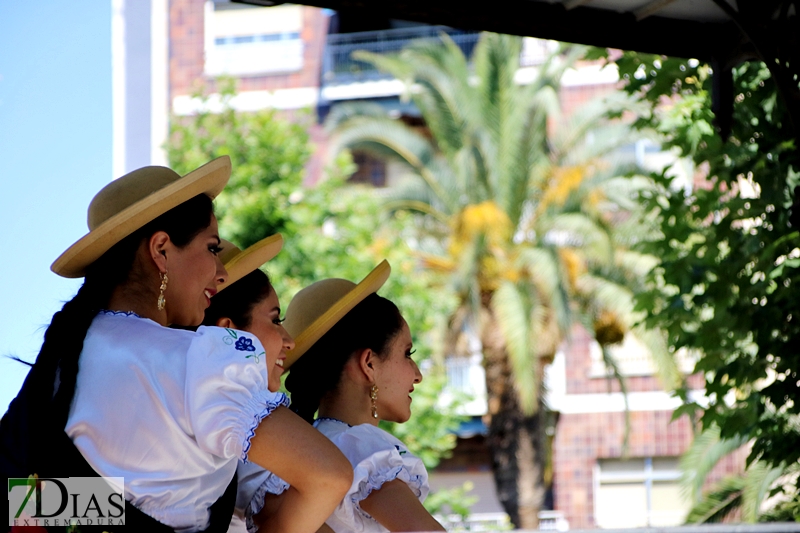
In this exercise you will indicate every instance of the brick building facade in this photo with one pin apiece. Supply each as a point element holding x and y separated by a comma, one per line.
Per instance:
<point>597,482</point>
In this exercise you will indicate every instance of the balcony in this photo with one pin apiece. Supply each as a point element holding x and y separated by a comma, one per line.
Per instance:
<point>339,67</point>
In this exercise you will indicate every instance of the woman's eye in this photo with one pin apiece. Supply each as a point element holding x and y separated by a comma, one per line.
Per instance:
<point>278,321</point>
<point>215,250</point>
<point>410,353</point>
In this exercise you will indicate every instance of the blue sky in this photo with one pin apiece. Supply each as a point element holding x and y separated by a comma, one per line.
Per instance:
<point>55,154</point>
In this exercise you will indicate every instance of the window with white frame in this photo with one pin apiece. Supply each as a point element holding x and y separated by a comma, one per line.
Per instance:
<point>632,358</point>
<point>466,377</point>
<point>242,40</point>
<point>640,492</point>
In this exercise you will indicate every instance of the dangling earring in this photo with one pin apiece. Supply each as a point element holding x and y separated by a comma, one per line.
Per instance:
<point>161,300</point>
<point>373,395</point>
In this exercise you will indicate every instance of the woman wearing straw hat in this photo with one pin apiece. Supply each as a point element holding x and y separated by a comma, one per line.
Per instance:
<point>115,392</point>
<point>356,369</point>
<point>247,301</point>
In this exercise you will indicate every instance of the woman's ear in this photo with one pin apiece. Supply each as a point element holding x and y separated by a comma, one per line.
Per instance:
<point>226,322</point>
<point>157,249</point>
<point>366,363</point>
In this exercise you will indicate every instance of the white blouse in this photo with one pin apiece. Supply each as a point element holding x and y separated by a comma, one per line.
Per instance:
<point>377,457</point>
<point>170,411</point>
<point>254,484</point>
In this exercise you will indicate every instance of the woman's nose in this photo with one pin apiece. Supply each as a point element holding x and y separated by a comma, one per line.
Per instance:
<point>222,274</point>
<point>288,341</point>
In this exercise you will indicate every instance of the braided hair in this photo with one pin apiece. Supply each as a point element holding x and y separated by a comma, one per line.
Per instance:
<point>237,301</point>
<point>372,324</point>
<point>49,388</point>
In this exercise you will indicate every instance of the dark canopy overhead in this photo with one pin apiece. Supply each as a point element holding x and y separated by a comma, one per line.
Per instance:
<point>704,29</point>
<point>721,32</point>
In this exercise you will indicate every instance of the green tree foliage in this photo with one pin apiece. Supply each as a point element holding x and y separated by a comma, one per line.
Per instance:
<point>329,230</point>
<point>268,157</point>
<point>521,212</point>
<point>726,286</point>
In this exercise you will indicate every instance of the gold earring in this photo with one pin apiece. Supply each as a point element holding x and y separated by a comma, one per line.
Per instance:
<point>373,395</point>
<point>162,301</point>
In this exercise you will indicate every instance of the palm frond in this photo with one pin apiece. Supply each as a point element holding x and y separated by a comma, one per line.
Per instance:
<point>510,308</point>
<point>542,265</point>
<point>667,369</point>
<point>719,503</point>
<point>706,451</point>
<point>407,145</point>
<point>578,230</point>
<point>611,362</point>
<point>342,113</point>
<point>759,481</point>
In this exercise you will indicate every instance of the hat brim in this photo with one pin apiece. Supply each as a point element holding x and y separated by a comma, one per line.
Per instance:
<point>319,327</point>
<point>209,179</point>
<point>250,259</point>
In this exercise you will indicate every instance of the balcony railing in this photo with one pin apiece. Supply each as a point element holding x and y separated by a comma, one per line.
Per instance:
<point>339,66</point>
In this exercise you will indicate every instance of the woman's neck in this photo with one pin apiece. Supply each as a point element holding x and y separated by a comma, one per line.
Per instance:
<point>127,298</point>
<point>349,403</point>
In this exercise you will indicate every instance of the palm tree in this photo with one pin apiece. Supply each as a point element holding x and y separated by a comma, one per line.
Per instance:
<point>746,493</point>
<point>522,211</point>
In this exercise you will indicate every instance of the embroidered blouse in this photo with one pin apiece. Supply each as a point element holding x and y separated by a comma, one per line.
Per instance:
<point>377,458</point>
<point>170,411</point>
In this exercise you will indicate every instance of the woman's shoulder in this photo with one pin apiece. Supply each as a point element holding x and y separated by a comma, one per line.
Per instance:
<point>128,330</point>
<point>361,441</point>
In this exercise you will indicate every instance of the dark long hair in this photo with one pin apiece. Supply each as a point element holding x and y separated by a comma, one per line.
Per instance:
<point>238,300</point>
<point>372,324</point>
<point>44,402</point>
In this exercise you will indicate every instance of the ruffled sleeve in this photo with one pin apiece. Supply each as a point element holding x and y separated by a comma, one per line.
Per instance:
<point>226,390</point>
<point>377,458</point>
<point>254,484</point>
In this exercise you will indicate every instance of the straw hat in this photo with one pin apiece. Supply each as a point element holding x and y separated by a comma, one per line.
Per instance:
<point>317,308</point>
<point>240,263</point>
<point>128,203</point>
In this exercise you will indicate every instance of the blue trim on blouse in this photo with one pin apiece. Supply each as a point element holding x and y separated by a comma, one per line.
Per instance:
<point>320,419</point>
<point>117,313</point>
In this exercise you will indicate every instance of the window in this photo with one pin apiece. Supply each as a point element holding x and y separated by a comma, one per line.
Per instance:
<point>465,375</point>
<point>370,169</point>
<point>633,359</point>
<point>244,40</point>
<point>638,493</point>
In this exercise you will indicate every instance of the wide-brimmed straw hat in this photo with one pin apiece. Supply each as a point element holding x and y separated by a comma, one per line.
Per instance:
<point>240,263</point>
<point>128,203</point>
<point>317,308</point>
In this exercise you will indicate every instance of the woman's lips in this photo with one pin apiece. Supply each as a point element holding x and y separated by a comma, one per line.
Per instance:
<point>209,293</point>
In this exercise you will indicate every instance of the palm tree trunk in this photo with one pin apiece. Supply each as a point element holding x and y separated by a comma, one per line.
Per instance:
<point>515,441</point>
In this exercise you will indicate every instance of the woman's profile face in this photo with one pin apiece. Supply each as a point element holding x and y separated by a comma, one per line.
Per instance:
<point>194,272</point>
<point>395,375</point>
<point>265,323</point>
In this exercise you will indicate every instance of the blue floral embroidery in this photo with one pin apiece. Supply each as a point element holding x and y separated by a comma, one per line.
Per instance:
<point>245,345</point>
<point>400,450</point>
